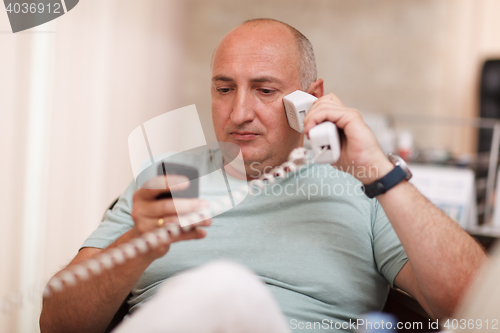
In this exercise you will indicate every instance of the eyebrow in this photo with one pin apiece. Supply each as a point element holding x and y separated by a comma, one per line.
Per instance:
<point>259,79</point>
<point>222,78</point>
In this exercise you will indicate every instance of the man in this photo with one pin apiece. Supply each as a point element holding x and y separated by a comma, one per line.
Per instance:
<point>331,257</point>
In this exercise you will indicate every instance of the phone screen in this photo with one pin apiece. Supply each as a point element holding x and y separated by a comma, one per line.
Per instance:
<point>165,168</point>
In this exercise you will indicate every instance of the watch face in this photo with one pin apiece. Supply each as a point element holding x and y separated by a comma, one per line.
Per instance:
<point>397,160</point>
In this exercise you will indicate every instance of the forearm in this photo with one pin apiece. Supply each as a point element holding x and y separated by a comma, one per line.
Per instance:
<point>444,258</point>
<point>90,305</point>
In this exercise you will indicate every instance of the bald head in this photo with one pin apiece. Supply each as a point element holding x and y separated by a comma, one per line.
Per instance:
<point>274,31</point>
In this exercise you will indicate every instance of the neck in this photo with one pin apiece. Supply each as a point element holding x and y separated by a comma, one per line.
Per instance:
<point>254,169</point>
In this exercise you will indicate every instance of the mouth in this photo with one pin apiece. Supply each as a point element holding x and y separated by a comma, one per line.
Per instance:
<point>244,136</point>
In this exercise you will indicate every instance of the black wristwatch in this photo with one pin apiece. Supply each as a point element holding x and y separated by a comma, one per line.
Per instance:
<point>384,184</point>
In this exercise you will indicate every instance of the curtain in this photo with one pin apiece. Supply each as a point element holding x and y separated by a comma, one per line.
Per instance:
<point>71,92</point>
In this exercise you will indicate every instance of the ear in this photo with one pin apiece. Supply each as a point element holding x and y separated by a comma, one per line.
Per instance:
<point>316,88</point>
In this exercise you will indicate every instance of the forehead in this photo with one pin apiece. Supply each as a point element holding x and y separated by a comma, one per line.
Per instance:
<point>266,49</point>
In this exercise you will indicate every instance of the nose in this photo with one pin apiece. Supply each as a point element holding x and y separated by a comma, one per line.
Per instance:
<point>242,108</point>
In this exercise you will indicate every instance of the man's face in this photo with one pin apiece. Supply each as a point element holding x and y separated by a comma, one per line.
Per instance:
<point>253,68</point>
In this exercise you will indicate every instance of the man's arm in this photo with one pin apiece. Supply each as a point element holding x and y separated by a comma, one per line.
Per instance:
<point>442,258</point>
<point>90,305</point>
<point>409,284</point>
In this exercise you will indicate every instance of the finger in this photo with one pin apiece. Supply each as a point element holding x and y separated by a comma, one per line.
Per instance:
<point>172,219</point>
<point>146,224</point>
<point>340,116</point>
<point>320,115</point>
<point>320,105</point>
<point>329,100</point>
<point>204,223</point>
<point>149,224</point>
<point>334,98</point>
<point>175,220</point>
<point>157,185</point>
<point>195,233</point>
<point>166,207</point>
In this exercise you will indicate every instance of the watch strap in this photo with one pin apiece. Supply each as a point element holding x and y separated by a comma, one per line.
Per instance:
<point>382,185</point>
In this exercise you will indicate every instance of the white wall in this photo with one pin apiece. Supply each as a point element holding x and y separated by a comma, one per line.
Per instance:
<point>110,66</point>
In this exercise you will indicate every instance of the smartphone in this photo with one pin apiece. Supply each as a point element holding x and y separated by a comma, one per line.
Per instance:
<point>168,168</point>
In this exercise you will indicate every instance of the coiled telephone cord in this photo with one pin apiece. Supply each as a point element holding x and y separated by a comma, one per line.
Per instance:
<point>163,235</point>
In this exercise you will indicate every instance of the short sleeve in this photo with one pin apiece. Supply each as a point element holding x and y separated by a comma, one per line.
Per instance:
<point>389,254</point>
<point>115,223</point>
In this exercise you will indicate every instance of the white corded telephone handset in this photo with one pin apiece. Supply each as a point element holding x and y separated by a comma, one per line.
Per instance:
<point>324,138</point>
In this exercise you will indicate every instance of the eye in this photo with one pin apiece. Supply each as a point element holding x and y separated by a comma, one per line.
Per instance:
<point>223,90</point>
<point>267,91</point>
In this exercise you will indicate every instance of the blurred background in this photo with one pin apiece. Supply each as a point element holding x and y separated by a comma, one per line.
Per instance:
<point>73,89</point>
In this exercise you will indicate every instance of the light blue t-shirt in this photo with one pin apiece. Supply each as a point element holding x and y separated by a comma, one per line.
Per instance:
<point>324,249</point>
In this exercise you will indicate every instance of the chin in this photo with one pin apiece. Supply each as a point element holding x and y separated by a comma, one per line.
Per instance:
<point>250,155</point>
